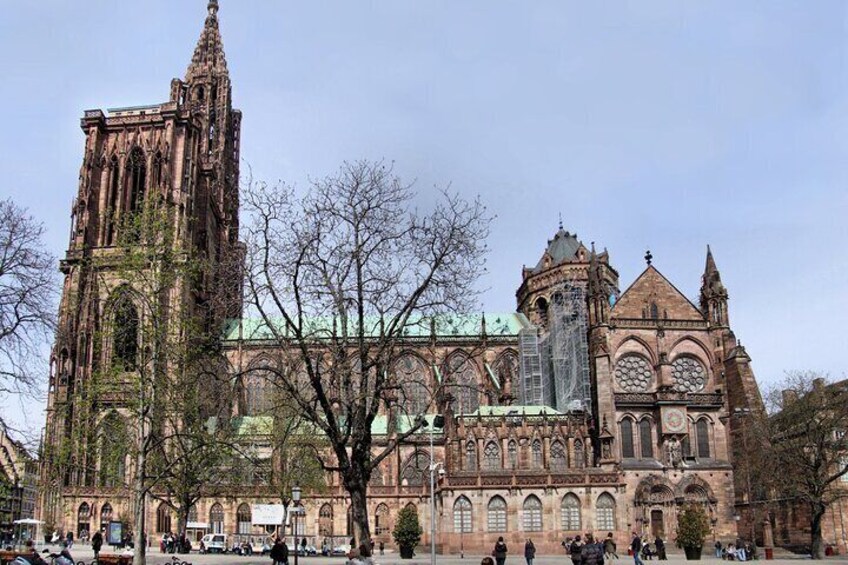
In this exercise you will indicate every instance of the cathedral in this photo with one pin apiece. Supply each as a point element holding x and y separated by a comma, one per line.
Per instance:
<point>595,409</point>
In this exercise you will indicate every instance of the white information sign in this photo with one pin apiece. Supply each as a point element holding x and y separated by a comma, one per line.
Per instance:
<point>267,514</point>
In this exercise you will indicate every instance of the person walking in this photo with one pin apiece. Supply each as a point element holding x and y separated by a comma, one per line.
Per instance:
<point>660,546</point>
<point>500,551</point>
<point>69,539</point>
<point>529,551</point>
<point>574,550</point>
<point>718,549</point>
<point>636,548</point>
<point>96,543</point>
<point>609,547</point>
<point>591,553</point>
<point>382,547</point>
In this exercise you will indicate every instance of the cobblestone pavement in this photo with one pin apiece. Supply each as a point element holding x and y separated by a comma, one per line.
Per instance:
<point>84,553</point>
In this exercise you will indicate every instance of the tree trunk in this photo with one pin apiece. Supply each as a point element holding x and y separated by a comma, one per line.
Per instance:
<point>357,490</point>
<point>816,543</point>
<point>140,499</point>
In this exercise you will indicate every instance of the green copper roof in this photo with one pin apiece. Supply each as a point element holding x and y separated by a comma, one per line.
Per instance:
<point>263,425</point>
<point>446,326</point>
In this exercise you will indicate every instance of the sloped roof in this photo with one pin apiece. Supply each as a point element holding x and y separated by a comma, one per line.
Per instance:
<point>563,247</point>
<point>651,284</point>
<point>448,325</point>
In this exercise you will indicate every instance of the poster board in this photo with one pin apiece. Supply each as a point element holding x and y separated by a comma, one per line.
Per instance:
<point>116,533</point>
<point>267,514</point>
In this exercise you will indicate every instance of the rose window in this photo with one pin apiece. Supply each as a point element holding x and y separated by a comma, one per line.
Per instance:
<point>689,374</point>
<point>633,373</point>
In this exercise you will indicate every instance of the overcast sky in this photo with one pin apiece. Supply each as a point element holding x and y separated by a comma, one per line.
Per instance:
<point>667,125</point>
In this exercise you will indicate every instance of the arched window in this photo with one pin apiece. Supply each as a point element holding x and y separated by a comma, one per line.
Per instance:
<point>216,518</point>
<point>325,521</point>
<point>105,516</point>
<point>492,456</point>
<point>507,369</point>
<point>536,448</point>
<point>532,514</point>
<point>137,170</point>
<point>702,429</point>
<point>381,520</point>
<point>192,514</point>
<point>655,312</point>
<point>415,469</point>
<point>464,385</point>
<point>113,438</point>
<point>376,479</point>
<point>496,515</point>
<point>125,334</point>
<point>83,518</point>
<point>462,515</point>
<point>512,450</point>
<point>571,513</point>
<point>257,390</point>
<point>579,455</point>
<point>542,311</point>
<point>605,512</point>
<point>645,441</point>
<point>163,518</point>
<point>112,218</point>
<point>157,169</point>
<point>471,455</point>
<point>627,451</point>
<point>559,461</point>
<point>243,519</point>
<point>412,377</point>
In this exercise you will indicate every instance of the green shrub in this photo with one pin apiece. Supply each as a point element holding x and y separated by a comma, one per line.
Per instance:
<point>693,526</point>
<point>407,532</point>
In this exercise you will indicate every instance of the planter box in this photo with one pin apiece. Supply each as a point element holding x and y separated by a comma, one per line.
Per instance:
<point>692,553</point>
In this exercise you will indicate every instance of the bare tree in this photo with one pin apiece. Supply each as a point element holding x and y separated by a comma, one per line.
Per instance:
<point>27,298</point>
<point>806,457</point>
<point>339,276</point>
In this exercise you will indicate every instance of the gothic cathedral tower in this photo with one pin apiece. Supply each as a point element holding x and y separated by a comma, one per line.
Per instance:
<point>181,156</point>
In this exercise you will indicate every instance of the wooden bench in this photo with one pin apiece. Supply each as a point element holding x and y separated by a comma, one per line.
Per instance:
<point>114,559</point>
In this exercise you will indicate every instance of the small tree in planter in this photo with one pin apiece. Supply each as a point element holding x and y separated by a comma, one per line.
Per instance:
<point>407,532</point>
<point>693,527</point>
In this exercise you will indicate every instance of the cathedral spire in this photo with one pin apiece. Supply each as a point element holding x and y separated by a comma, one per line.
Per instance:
<point>710,268</point>
<point>208,56</point>
<point>713,293</point>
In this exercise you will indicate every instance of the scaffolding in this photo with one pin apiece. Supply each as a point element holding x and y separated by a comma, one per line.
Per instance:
<point>555,364</point>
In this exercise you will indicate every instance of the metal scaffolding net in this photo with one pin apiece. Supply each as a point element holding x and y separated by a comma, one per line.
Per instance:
<point>561,352</point>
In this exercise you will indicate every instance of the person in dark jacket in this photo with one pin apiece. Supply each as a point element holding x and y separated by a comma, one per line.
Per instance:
<point>529,551</point>
<point>500,551</point>
<point>96,543</point>
<point>280,552</point>
<point>609,547</point>
<point>591,554</point>
<point>575,549</point>
<point>636,548</point>
<point>660,545</point>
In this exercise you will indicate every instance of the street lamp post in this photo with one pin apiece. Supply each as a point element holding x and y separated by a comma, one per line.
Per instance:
<point>295,504</point>
<point>438,422</point>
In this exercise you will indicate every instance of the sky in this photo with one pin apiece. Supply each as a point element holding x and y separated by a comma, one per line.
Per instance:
<point>644,124</point>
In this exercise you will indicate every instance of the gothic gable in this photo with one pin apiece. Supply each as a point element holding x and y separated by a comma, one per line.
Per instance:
<point>653,296</point>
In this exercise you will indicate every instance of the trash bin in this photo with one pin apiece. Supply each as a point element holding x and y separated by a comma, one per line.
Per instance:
<point>769,553</point>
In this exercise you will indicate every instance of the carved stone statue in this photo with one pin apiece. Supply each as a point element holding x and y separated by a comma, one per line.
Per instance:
<point>674,452</point>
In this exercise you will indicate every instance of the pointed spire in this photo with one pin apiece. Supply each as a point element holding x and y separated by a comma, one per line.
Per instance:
<point>209,53</point>
<point>560,222</point>
<point>710,268</point>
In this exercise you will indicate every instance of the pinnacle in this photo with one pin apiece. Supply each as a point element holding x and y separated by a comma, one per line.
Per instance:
<point>209,52</point>
<point>710,266</point>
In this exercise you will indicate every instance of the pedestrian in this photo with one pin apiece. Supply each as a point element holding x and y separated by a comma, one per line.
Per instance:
<point>69,539</point>
<point>529,551</point>
<point>609,547</point>
<point>718,549</point>
<point>500,551</point>
<point>277,556</point>
<point>365,554</point>
<point>382,547</point>
<point>591,553</point>
<point>96,543</point>
<point>353,557</point>
<point>660,545</point>
<point>636,548</point>
<point>574,550</point>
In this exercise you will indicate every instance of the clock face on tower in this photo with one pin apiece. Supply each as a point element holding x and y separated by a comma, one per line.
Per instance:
<point>674,421</point>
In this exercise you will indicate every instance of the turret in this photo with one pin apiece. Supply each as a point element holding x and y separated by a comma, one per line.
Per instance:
<point>713,294</point>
